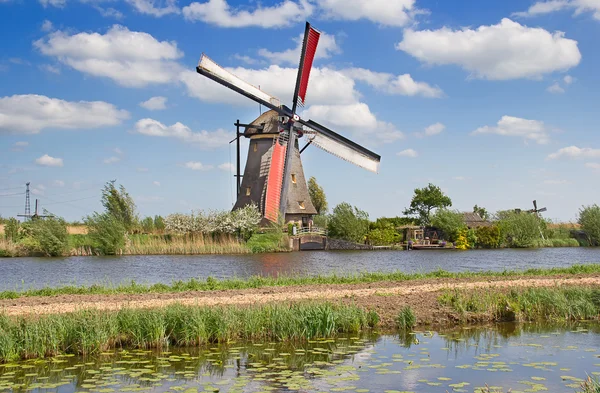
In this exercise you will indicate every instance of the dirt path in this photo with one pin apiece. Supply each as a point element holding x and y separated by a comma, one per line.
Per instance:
<point>385,297</point>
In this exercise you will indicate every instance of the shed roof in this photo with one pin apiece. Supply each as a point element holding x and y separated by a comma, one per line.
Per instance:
<point>474,220</point>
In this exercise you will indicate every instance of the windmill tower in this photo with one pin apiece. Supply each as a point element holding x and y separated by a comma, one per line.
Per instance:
<point>537,212</point>
<point>274,177</point>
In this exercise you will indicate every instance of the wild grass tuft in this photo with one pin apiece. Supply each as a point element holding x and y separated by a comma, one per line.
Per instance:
<point>210,283</point>
<point>532,304</point>
<point>93,331</point>
<point>590,385</point>
<point>406,319</point>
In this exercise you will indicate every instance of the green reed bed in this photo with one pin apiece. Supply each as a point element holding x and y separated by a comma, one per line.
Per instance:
<point>284,280</point>
<point>532,304</point>
<point>92,331</point>
<point>184,245</point>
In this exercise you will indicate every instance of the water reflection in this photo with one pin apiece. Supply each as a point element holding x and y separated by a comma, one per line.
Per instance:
<point>507,356</point>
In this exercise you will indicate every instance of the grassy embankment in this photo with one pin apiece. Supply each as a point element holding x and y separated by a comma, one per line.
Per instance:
<point>287,280</point>
<point>92,331</point>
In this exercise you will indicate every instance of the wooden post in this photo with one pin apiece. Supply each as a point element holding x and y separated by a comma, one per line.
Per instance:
<point>237,134</point>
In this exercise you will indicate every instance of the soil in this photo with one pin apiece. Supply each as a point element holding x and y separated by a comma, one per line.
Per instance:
<point>387,298</point>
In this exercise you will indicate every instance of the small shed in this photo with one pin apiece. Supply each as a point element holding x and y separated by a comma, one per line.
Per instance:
<point>474,220</point>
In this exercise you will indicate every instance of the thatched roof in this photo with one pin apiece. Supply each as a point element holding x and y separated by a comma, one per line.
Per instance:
<point>270,122</point>
<point>474,220</point>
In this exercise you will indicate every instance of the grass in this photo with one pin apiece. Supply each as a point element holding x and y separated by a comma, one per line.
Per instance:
<point>590,385</point>
<point>532,304</point>
<point>406,319</point>
<point>184,245</point>
<point>286,280</point>
<point>10,249</point>
<point>92,331</point>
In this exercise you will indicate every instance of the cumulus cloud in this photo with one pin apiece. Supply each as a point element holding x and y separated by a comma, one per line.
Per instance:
<point>155,103</point>
<point>533,130</point>
<point>575,152</point>
<point>383,12</point>
<point>204,139</point>
<point>32,113</point>
<point>49,68</point>
<point>394,84</point>
<point>53,3</point>
<point>431,130</point>
<point>156,8</point>
<point>156,183</point>
<point>47,26</point>
<point>197,166</point>
<point>568,79</point>
<point>220,13</point>
<point>130,58</point>
<point>227,166</point>
<point>47,160</point>
<point>578,6</point>
<point>410,153</point>
<point>504,51</point>
<point>326,48</point>
<point>555,89</point>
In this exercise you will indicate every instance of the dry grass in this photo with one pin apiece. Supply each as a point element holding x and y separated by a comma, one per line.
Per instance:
<point>10,249</point>
<point>184,245</point>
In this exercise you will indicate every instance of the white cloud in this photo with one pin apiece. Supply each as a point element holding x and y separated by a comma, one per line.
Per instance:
<point>155,103</point>
<point>46,160</point>
<point>156,183</point>
<point>434,129</point>
<point>245,59</point>
<point>555,89</point>
<point>593,165</point>
<point>53,3</point>
<point>58,183</point>
<point>111,160</point>
<point>227,166</point>
<point>383,12</point>
<point>32,113</point>
<point>130,58</point>
<point>220,13</point>
<point>21,144</point>
<point>507,50</point>
<point>546,7</point>
<point>197,166</point>
<point>355,118</point>
<point>50,68</point>
<point>514,126</point>
<point>156,8</point>
<point>117,150</point>
<point>47,26</point>
<point>109,12</point>
<point>326,48</point>
<point>408,153</point>
<point>575,152</point>
<point>203,139</point>
<point>393,84</point>
<point>568,79</point>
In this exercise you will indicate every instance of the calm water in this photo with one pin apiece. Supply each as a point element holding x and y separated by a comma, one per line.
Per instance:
<point>18,273</point>
<point>521,358</point>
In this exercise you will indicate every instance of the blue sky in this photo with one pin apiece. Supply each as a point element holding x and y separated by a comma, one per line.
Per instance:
<point>496,102</point>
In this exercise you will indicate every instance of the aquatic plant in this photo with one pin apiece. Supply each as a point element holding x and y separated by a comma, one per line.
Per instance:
<point>406,319</point>
<point>590,385</point>
<point>93,331</point>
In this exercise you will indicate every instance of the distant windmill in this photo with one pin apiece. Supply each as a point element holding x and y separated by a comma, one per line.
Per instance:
<point>537,212</point>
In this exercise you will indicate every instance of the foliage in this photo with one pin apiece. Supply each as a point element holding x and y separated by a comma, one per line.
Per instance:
<point>47,236</point>
<point>107,232</point>
<point>147,225</point>
<point>159,224</point>
<point>519,229</point>
<point>425,200</point>
<point>481,211</point>
<point>471,238</point>
<point>589,219</point>
<point>383,237</point>
<point>272,241</point>
<point>451,222</point>
<point>348,223</point>
<point>462,243</point>
<point>488,237</point>
<point>317,196</point>
<point>11,229</point>
<point>391,222</point>
<point>321,221</point>
<point>590,385</point>
<point>119,204</point>
<point>406,319</point>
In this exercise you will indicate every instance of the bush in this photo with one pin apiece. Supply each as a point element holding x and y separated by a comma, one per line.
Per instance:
<point>383,237</point>
<point>348,223</point>
<point>451,222</point>
<point>267,242</point>
<point>106,232</point>
<point>589,219</point>
<point>488,237</point>
<point>47,236</point>
<point>11,229</point>
<point>520,230</point>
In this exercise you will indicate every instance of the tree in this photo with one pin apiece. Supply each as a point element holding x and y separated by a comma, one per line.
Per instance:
<point>589,219</point>
<point>483,213</point>
<point>159,224</point>
<point>147,225</point>
<point>519,229</point>
<point>348,223</point>
<point>119,204</point>
<point>425,200</point>
<point>317,196</point>
<point>451,222</point>
<point>11,229</point>
<point>47,236</point>
<point>106,232</point>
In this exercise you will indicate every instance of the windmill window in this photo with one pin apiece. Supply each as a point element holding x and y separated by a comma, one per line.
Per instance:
<point>255,147</point>
<point>301,205</point>
<point>247,191</point>
<point>294,178</point>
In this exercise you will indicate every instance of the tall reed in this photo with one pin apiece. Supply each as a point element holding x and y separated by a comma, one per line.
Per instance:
<point>92,331</point>
<point>185,245</point>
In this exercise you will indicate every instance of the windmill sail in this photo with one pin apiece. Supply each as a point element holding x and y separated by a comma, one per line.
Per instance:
<point>210,69</point>
<point>309,49</point>
<point>341,146</point>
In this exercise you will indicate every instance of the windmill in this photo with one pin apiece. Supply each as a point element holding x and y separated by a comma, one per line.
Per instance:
<point>537,212</point>
<point>274,177</point>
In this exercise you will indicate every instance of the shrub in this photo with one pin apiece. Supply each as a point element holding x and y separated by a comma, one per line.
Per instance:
<point>11,229</point>
<point>383,237</point>
<point>488,237</point>
<point>106,232</point>
<point>272,241</point>
<point>348,223</point>
<point>147,225</point>
<point>519,229</point>
<point>451,222</point>
<point>589,219</point>
<point>47,236</point>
